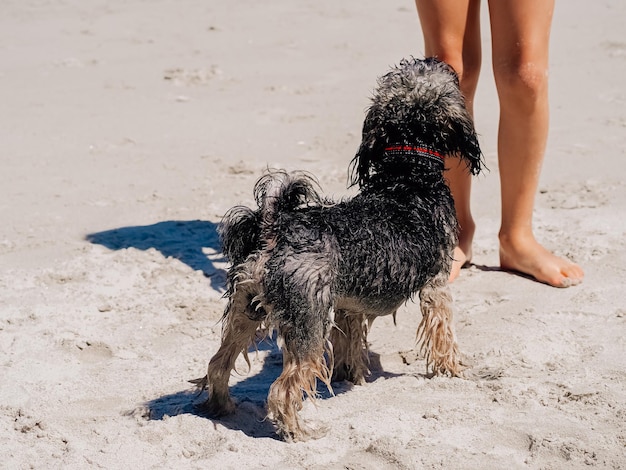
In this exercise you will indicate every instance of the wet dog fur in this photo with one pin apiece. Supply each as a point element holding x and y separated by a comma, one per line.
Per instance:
<point>319,272</point>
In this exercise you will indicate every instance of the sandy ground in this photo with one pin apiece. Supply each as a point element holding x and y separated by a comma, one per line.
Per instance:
<point>128,128</point>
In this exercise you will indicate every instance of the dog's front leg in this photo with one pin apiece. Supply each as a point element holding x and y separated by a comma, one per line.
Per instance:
<point>435,331</point>
<point>349,341</point>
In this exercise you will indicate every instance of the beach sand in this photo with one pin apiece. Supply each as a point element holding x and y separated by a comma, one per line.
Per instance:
<point>127,129</point>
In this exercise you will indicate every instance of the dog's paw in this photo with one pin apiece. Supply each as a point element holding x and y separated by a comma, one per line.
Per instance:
<point>216,407</point>
<point>303,433</point>
<point>355,376</point>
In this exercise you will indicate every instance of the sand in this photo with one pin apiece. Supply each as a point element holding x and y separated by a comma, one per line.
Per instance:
<point>128,128</point>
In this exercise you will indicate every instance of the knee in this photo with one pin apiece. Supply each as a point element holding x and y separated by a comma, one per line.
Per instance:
<point>521,83</point>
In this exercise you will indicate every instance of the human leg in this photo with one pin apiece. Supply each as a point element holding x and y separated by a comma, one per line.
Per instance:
<point>520,36</point>
<point>451,31</point>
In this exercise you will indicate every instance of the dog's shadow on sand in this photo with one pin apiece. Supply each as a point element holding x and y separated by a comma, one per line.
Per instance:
<point>250,396</point>
<point>184,240</point>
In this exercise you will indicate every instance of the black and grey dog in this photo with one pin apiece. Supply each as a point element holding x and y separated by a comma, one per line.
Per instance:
<point>319,272</point>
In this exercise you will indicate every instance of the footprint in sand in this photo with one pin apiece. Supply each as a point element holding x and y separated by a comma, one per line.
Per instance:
<point>191,77</point>
<point>88,351</point>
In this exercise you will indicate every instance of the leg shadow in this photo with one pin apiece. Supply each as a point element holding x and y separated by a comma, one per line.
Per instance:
<point>183,240</point>
<point>249,416</point>
<point>250,395</point>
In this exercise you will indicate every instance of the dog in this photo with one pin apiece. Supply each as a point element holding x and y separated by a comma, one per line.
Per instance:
<point>319,272</point>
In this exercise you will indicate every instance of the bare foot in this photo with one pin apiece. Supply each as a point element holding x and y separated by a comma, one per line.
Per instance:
<point>461,260</point>
<point>462,252</point>
<point>529,257</point>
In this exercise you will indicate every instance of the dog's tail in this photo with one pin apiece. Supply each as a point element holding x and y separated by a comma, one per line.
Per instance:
<point>239,233</point>
<point>244,231</point>
<point>277,194</point>
<point>417,106</point>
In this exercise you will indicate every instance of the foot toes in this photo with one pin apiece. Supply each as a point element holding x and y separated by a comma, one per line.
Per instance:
<point>571,279</point>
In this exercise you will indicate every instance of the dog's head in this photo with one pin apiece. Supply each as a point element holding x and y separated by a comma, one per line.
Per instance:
<point>418,107</point>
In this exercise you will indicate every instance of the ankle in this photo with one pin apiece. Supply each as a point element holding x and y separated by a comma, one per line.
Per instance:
<point>466,233</point>
<point>512,239</point>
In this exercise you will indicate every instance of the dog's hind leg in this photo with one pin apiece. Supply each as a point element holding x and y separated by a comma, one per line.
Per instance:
<point>349,341</point>
<point>304,345</point>
<point>241,322</point>
<point>287,393</point>
<point>435,331</point>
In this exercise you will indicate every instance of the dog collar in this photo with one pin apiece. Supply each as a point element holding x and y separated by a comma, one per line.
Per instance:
<point>412,150</point>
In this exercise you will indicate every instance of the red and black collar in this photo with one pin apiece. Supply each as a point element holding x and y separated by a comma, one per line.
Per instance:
<point>413,150</point>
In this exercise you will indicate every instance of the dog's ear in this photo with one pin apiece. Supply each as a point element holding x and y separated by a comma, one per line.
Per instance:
<point>463,141</point>
<point>360,165</point>
<point>373,141</point>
